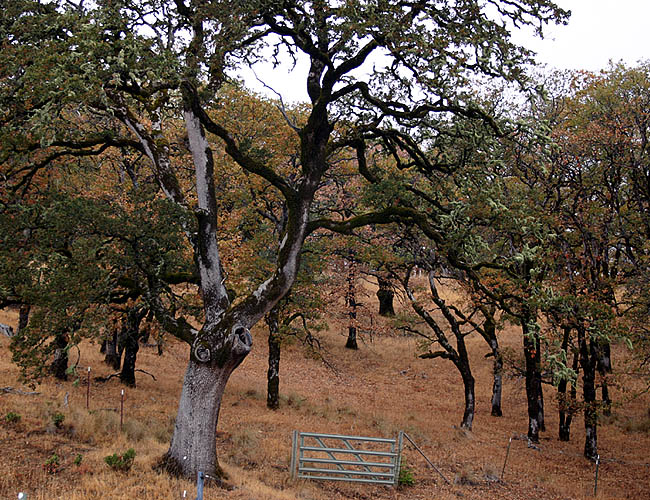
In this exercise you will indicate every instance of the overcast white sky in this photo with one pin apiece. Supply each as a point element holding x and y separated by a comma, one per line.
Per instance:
<point>598,31</point>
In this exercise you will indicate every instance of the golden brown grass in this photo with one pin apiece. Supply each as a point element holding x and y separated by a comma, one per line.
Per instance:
<point>376,391</point>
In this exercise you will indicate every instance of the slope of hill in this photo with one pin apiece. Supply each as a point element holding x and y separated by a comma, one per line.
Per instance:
<point>376,391</point>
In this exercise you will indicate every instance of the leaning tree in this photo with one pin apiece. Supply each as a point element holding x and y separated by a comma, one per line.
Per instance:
<point>138,67</point>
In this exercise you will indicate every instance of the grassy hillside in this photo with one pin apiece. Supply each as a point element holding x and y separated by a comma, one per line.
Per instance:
<point>376,391</point>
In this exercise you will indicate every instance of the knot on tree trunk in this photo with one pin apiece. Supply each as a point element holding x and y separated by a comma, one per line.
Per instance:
<point>234,348</point>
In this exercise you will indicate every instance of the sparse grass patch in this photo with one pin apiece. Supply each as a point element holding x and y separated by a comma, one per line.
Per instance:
<point>246,447</point>
<point>637,425</point>
<point>135,430</point>
<point>295,400</point>
<point>96,426</point>
<point>467,476</point>
<point>162,430</point>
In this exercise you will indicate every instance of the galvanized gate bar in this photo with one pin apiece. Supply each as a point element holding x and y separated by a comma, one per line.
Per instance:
<point>367,468</point>
<point>351,452</point>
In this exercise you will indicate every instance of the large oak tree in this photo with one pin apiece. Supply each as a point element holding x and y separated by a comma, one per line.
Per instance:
<point>80,79</point>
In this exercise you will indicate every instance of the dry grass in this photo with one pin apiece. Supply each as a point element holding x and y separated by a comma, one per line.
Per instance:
<point>376,391</point>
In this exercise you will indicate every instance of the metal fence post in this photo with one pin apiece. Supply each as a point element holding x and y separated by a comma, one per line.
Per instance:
<point>398,456</point>
<point>294,452</point>
<point>506,459</point>
<point>596,478</point>
<point>199,485</point>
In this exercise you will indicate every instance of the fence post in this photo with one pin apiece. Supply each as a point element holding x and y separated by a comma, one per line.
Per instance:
<point>88,391</point>
<point>294,452</point>
<point>398,457</point>
<point>506,459</point>
<point>121,409</point>
<point>596,478</point>
<point>199,485</point>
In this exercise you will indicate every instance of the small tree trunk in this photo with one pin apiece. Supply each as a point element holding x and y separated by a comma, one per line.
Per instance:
<point>533,360</point>
<point>605,367</point>
<point>490,335</point>
<point>23,317</point>
<point>351,302</point>
<point>273,373</point>
<point>131,348</point>
<point>468,414</point>
<point>570,408</point>
<point>59,366</point>
<point>563,402</point>
<point>112,358</point>
<point>588,359</point>
<point>540,406</point>
<point>385,295</point>
<point>130,336</point>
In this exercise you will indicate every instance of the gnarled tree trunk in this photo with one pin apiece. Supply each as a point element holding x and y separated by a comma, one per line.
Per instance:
<point>385,294</point>
<point>193,445</point>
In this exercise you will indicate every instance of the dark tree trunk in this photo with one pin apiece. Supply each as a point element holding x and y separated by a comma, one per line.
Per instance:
<point>497,386</point>
<point>533,376</point>
<point>588,361</point>
<point>570,405</point>
<point>159,344</point>
<point>193,445</point>
<point>59,366</point>
<point>273,373</point>
<point>385,295</point>
<point>23,317</point>
<point>131,345</point>
<point>564,405</point>
<point>605,367</point>
<point>490,335</point>
<point>351,302</point>
<point>468,383</point>
<point>112,358</point>
<point>540,404</point>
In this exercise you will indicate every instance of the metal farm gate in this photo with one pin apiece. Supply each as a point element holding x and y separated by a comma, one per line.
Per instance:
<point>332,457</point>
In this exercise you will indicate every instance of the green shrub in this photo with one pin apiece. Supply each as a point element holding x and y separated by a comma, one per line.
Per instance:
<point>77,460</point>
<point>12,418</point>
<point>121,463</point>
<point>406,476</point>
<point>57,419</point>
<point>51,465</point>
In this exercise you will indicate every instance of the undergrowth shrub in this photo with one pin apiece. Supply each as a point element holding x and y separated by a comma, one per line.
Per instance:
<point>406,475</point>
<point>58,419</point>
<point>122,463</point>
<point>52,464</point>
<point>12,418</point>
